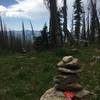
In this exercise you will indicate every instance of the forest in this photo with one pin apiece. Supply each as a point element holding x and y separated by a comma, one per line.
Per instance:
<point>84,30</point>
<point>28,61</point>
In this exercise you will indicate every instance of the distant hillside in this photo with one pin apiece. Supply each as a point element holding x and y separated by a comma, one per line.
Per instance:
<point>28,32</point>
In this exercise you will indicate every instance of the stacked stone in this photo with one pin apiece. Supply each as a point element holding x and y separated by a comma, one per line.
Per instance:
<point>67,77</point>
<point>67,81</point>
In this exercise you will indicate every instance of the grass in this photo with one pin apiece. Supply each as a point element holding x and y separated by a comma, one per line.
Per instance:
<point>28,76</point>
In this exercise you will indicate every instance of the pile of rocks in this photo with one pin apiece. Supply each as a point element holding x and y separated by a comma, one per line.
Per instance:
<point>67,80</point>
<point>67,77</point>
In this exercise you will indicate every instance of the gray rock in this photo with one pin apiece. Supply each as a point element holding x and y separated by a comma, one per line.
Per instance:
<point>83,93</point>
<point>71,67</point>
<point>52,94</point>
<point>74,62</point>
<point>67,59</point>
<point>70,87</point>
<point>61,63</point>
<point>65,79</point>
<point>65,70</point>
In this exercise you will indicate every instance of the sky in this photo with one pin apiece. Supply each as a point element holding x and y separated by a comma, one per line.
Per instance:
<point>13,12</point>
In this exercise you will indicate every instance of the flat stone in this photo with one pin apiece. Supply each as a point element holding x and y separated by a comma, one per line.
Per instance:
<point>60,87</point>
<point>65,79</point>
<point>66,76</point>
<point>65,70</point>
<point>74,87</point>
<point>82,93</point>
<point>61,77</point>
<point>67,59</point>
<point>69,87</point>
<point>71,67</point>
<point>74,62</point>
<point>52,94</point>
<point>61,63</point>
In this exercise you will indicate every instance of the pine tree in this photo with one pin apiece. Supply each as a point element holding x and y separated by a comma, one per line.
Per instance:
<point>83,35</point>
<point>65,19</point>
<point>44,35</point>
<point>67,37</point>
<point>60,27</point>
<point>77,18</point>
<point>93,22</point>
<point>54,24</point>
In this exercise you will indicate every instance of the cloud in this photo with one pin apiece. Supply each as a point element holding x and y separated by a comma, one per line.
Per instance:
<point>31,8</point>
<point>34,9</point>
<point>26,9</point>
<point>2,9</point>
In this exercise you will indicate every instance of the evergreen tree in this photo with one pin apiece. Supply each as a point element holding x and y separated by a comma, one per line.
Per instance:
<point>77,18</point>
<point>42,42</point>
<point>93,22</point>
<point>54,23</point>
<point>83,35</point>
<point>44,35</point>
<point>60,27</point>
<point>97,21</point>
<point>65,19</point>
<point>67,37</point>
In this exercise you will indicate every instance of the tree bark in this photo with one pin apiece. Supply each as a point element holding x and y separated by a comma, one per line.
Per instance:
<point>54,24</point>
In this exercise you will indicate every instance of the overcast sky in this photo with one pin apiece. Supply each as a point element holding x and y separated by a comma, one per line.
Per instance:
<point>14,11</point>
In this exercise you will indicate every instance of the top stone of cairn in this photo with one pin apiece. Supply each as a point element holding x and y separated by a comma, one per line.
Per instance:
<point>67,59</point>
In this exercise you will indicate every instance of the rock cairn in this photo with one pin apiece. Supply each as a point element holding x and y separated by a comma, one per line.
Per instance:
<point>67,77</point>
<point>67,80</point>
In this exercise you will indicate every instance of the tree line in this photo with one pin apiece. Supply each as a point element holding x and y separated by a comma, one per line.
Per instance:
<point>85,28</point>
<point>11,40</point>
<point>85,23</point>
